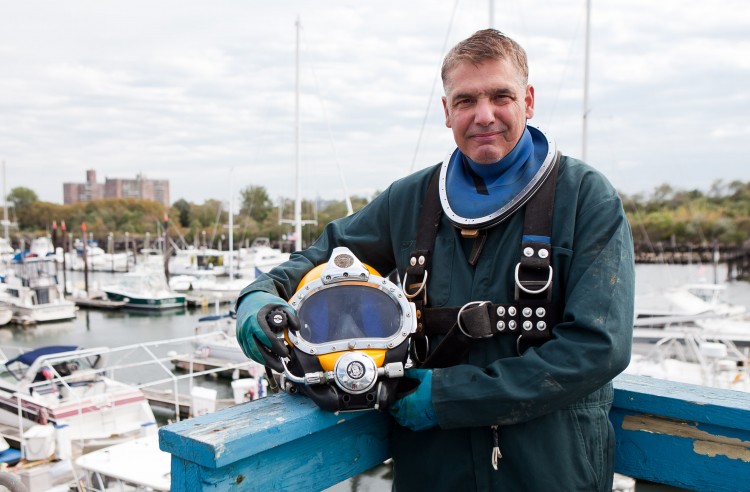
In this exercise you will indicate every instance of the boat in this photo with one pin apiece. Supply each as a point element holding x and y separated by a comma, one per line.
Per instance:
<point>197,262</point>
<point>144,288</point>
<point>219,338</point>
<point>137,465</point>
<point>692,357</point>
<point>97,259</point>
<point>260,256</point>
<point>688,303</point>
<point>209,288</point>
<point>66,386</point>
<point>32,289</point>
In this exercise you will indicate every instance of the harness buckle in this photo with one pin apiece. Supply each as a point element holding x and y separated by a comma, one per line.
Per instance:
<point>458,318</point>
<point>530,291</point>
<point>421,288</point>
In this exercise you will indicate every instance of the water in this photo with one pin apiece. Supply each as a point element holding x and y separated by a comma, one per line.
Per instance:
<point>98,328</point>
<point>118,328</point>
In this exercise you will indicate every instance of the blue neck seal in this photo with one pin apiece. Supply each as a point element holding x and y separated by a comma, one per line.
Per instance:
<point>478,196</point>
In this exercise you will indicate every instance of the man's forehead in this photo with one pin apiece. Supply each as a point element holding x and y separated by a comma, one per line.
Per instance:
<point>506,80</point>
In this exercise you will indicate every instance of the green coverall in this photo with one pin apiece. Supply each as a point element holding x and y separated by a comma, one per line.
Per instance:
<point>551,402</point>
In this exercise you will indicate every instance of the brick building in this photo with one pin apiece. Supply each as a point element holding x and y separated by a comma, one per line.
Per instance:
<point>140,187</point>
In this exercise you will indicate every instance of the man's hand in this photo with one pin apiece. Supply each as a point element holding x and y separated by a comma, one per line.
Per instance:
<point>415,410</point>
<point>261,318</point>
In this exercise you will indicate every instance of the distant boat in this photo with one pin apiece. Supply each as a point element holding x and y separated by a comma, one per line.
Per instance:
<point>219,339</point>
<point>197,262</point>
<point>33,291</point>
<point>145,288</point>
<point>689,303</point>
<point>260,256</point>
<point>691,357</point>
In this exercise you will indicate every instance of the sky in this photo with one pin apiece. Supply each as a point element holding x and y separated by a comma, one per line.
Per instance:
<point>203,93</point>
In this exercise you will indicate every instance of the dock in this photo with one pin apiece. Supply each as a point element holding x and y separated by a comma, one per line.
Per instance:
<point>97,303</point>
<point>199,364</point>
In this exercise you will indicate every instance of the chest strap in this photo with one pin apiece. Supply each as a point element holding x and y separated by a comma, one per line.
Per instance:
<point>530,318</point>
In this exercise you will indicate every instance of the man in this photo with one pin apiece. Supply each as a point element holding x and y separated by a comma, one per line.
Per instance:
<point>520,412</point>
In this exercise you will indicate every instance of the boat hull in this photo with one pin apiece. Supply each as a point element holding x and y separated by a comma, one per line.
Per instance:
<point>152,303</point>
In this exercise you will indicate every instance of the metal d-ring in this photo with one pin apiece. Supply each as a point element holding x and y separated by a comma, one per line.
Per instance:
<point>518,344</point>
<point>421,287</point>
<point>458,316</point>
<point>529,291</point>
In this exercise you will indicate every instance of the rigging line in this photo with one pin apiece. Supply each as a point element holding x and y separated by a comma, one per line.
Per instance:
<point>550,113</point>
<point>347,198</point>
<point>434,83</point>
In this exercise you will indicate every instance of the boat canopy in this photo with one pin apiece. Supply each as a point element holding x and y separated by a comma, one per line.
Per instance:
<point>31,356</point>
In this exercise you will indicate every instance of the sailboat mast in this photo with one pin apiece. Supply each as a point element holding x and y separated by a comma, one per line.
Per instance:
<point>586,109</point>
<point>297,197</point>
<point>231,227</point>
<point>5,211</point>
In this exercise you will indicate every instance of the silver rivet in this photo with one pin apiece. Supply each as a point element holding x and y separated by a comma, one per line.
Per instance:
<point>352,344</point>
<point>501,325</point>
<point>412,261</point>
<point>541,326</point>
<point>526,312</point>
<point>540,312</point>
<point>528,252</point>
<point>500,311</point>
<point>527,325</point>
<point>512,324</point>
<point>421,260</point>
<point>512,311</point>
<point>543,253</point>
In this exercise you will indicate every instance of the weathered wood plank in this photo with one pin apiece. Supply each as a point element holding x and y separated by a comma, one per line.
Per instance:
<point>683,435</point>
<point>279,441</point>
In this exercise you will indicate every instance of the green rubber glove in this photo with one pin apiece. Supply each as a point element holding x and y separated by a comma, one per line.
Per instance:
<point>248,325</point>
<point>415,410</point>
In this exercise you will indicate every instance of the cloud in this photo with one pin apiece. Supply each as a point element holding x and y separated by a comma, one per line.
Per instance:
<point>187,91</point>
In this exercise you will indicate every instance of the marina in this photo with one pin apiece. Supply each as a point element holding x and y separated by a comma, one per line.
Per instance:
<point>93,327</point>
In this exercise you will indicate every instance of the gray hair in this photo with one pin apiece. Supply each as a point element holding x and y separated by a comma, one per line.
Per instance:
<point>485,45</point>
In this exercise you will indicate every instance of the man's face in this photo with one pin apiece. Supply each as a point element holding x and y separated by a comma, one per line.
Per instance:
<point>487,106</point>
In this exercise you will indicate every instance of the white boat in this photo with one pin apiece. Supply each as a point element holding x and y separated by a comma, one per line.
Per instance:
<point>144,288</point>
<point>689,303</point>
<point>66,386</point>
<point>32,289</point>
<point>197,262</point>
<point>98,260</point>
<point>137,465</point>
<point>690,357</point>
<point>209,287</point>
<point>260,256</point>
<point>219,339</point>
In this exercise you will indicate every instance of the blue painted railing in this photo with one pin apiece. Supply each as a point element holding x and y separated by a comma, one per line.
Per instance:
<point>678,434</point>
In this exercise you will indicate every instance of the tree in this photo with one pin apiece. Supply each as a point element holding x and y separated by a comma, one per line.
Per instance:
<point>256,203</point>
<point>22,199</point>
<point>183,210</point>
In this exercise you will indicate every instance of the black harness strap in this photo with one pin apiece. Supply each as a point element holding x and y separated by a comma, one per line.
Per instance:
<point>530,318</point>
<point>420,260</point>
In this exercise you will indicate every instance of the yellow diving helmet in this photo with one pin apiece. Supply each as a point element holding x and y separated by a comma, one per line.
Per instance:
<point>350,346</point>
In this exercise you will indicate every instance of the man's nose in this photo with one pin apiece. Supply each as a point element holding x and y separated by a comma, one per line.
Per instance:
<point>485,114</point>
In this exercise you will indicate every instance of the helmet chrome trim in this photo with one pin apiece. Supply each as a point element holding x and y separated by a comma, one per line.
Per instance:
<point>344,269</point>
